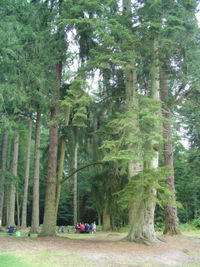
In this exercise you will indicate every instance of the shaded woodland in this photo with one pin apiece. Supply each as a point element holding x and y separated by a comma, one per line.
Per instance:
<point>99,115</point>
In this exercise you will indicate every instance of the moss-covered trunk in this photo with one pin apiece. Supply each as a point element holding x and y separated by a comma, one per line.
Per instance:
<point>106,218</point>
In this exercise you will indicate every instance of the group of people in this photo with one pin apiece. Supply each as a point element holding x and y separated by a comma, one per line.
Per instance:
<point>85,228</point>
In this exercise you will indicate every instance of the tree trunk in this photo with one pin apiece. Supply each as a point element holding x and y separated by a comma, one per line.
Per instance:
<point>75,182</point>
<point>18,210</point>
<point>11,219</point>
<point>26,181</point>
<point>49,222</point>
<point>7,187</point>
<point>99,218</point>
<point>149,203</point>
<point>35,223</point>
<point>61,161</point>
<point>134,166</point>
<point>2,178</point>
<point>106,219</point>
<point>171,218</point>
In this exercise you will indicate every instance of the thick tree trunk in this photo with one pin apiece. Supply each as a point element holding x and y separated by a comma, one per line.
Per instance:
<point>35,223</point>
<point>99,218</point>
<point>2,178</point>
<point>11,219</point>
<point>171,218</point>
<point>49,223</point>
<point>75,182</point>
<point>26,181</point>
<point>106,219</point>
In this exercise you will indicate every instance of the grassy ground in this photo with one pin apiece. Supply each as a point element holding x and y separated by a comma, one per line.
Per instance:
<point>16,254</point>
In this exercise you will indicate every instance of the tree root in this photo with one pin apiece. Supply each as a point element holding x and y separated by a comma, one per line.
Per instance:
<point>143,240</point>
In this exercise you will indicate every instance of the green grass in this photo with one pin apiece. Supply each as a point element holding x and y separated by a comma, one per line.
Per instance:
<point>14,235</point>
<point>83,236</point>
<point>8,260</point>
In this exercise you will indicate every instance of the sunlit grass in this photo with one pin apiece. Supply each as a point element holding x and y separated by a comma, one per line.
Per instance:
<point>9,260</point>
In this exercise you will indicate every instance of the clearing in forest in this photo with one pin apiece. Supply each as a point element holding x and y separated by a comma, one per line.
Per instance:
<point>101,250</point>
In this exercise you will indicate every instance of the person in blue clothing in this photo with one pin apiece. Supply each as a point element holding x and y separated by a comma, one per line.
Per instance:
<point>87,228</point>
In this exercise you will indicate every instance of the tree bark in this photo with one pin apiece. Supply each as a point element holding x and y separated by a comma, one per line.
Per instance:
<point>2,178</point>
<point>35,221</point>
<point>106,218</point>
<point>49,222</point>
<point>75,181</point>
<point>61,161</point>
<point>171,218</point>
<point>11,219</point>
<point>26,181</point>
<point>7,187</point>
<point>18,210</point>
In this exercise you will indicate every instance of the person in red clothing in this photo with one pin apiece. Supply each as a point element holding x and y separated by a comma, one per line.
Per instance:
<point>82,227</point>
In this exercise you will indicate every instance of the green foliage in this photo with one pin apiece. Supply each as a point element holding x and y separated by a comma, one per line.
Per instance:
<point>196,222</point>
<point>131,131</point>
<point>140,188</point>
<point>77,101</point>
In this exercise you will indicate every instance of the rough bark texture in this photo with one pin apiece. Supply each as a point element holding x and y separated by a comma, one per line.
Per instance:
<point>106,219</point>
<point>171,218</point>
<point>49,222</point>
<point>26,180</point>
<point>11,218</point>
<point>36,177</point>
<point>2,178</point>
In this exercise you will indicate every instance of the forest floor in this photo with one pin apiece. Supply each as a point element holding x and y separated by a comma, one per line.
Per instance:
<point>100,250</point>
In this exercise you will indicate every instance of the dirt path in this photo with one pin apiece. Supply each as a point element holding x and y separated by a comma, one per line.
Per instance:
<point>109,251</point>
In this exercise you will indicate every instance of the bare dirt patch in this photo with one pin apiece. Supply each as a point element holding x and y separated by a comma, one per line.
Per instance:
<point>108,251</point>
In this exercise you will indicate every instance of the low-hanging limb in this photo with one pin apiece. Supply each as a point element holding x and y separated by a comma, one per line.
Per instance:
<point>79,169</point>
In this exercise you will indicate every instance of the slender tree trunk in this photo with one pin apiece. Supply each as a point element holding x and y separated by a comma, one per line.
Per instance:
<point>2,178</point>
<point>75,181</point>
<point>99,218</point>
<point>171,218</point>
<point>18,210</point>
<point>26,181</point>
<point>7,187</point>
<point>49,223</point>
<point>11,219</point>
<point>35,223</point>
<point>61,161</point>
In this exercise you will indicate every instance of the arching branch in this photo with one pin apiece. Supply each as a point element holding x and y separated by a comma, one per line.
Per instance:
<point>79,169</point>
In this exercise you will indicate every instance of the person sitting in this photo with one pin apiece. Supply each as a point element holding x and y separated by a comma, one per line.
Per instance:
<point>76,228</point>
<point>82,227</point>
<point>91,227</point>
<point>87,228</point>
<point>11,230</point>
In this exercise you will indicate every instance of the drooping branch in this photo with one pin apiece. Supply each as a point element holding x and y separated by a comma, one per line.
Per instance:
<point>79,169</point>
